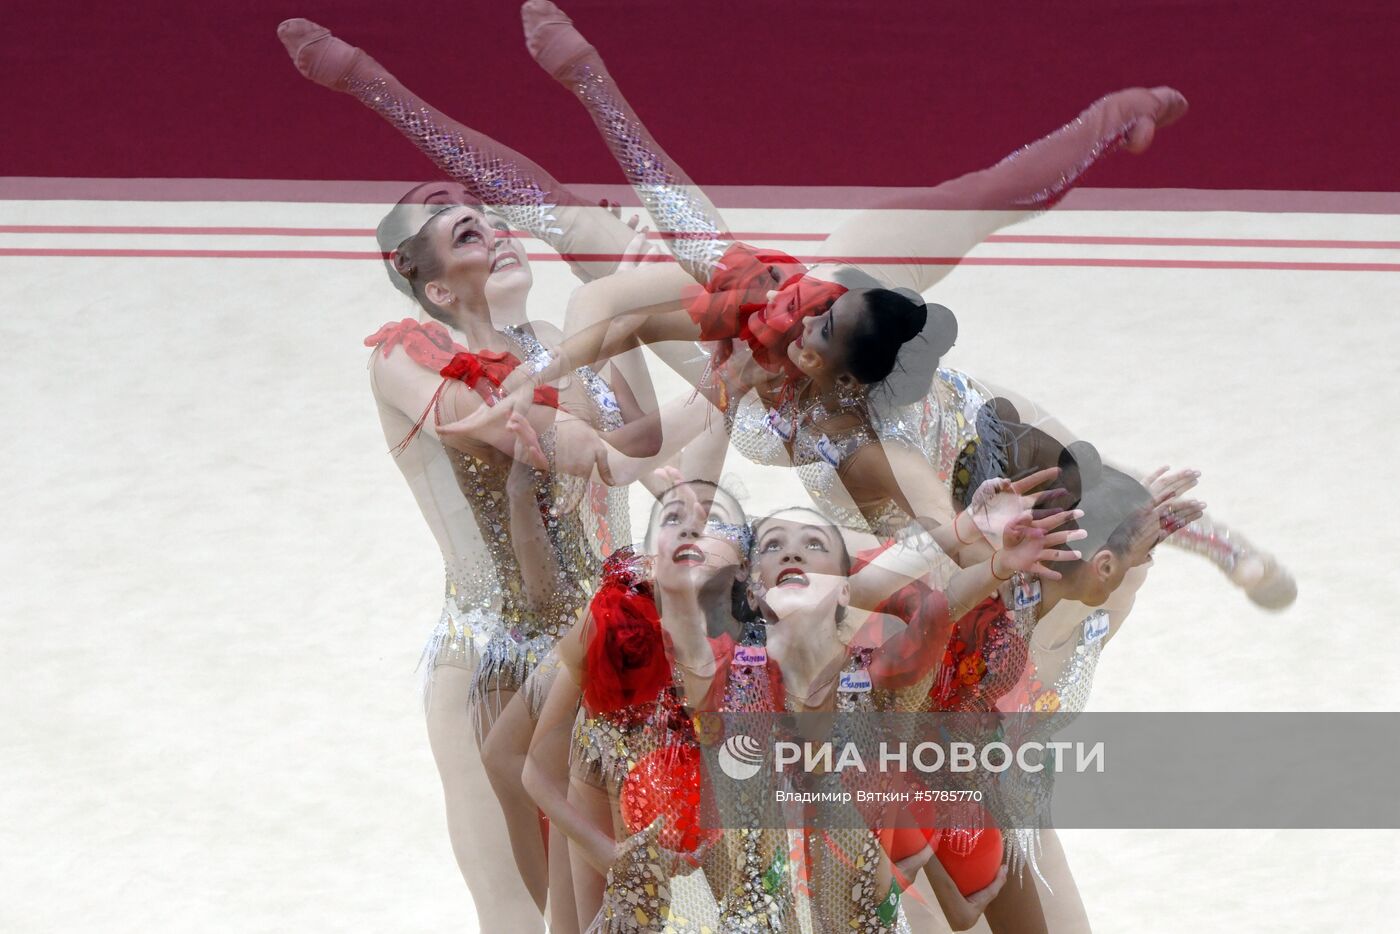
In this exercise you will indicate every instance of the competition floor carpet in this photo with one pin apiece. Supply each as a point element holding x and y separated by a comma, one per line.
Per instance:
<point>218,585</point>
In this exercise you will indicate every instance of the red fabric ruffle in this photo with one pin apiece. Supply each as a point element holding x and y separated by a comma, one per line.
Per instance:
<point>734,303</point>
<point>427,343</point>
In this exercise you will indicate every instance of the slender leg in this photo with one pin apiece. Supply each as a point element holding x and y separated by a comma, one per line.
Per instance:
<point>915,241</point>
<point>591,238</point>
<point>474,821</point>
<point>503,752</point>
<point>696,234</point>
<point>1064,910</point>
<point>889,242</point>
<point>1258,573</point>
<point>1017,909</point>
<point>588,882</point>
<point>563,910</point>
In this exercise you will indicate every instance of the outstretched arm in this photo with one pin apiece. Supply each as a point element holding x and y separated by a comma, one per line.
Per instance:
<point>1036,438</point>
<point>609,317</point>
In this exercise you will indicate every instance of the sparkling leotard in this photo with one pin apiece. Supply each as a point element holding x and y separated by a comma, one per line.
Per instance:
<point>946,426</point>
<point>486,626</point>
<point>521,636</point>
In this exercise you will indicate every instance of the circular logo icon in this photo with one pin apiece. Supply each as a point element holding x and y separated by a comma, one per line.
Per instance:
<point>740,757</point>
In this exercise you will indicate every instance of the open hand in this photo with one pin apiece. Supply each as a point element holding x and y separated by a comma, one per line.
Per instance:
<point>999,501</point>
<point>1027,543</point>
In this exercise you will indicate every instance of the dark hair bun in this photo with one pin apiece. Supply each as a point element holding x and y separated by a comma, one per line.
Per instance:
<point>899,343</point>
<point>907,318</point>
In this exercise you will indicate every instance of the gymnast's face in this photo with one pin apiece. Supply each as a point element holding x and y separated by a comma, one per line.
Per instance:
<point>697,538</point>
<point>462,243</point>
<point>510,266</point>
<point>793,558</point>
<point>819,351</point>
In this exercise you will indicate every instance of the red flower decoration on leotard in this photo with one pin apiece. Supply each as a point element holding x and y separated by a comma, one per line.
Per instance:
<point>738,286</point>
<point>430,345</point>
<point>972,669</point>
<point>492,368</point>
<point>958,684</point>
<point>626,662</point>
<point>464,367</point>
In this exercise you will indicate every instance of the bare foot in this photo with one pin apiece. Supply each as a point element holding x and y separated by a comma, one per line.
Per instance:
<point>318,55</point>
<point>1266,582</point>
<point>553,41</point>
<point>1171,107</point>
<point>1174,105</point>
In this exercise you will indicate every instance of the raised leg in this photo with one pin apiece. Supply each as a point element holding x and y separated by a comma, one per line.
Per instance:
<point>586,235</point>
<point>914,241</point>
<point>1257,573</point>
<point>694,231</point>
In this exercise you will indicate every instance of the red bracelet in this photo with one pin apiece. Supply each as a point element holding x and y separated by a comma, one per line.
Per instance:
<point>994,569</point>
<point>957,534</point>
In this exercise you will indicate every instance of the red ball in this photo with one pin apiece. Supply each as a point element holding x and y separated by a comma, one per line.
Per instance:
<point>666,784</point>
<point>971,857</point>
<point>903,839</point>
<point>902,842</point>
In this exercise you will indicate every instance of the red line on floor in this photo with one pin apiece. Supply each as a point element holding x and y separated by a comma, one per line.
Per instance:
<point>793,237</point>
<point>1068,262</point>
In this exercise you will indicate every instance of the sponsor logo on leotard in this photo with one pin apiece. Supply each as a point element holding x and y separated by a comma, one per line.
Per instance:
<point>1027,593</point>
<point>854,682</point>
<point>779,426</point>
<point>1095,628</point>
<point>607,401</point>
<point>755,656</point>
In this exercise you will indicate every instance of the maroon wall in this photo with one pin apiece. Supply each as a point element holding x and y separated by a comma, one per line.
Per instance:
<point>1285,95</point>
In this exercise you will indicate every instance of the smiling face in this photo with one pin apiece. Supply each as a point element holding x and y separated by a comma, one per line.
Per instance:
<point>447,262</point>
<point>411,258</point>
<point>697,538</point>
<point>463,241</point>
<point>510,274</point>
